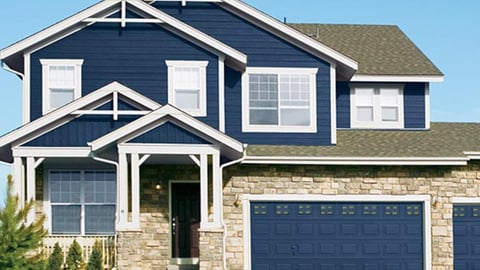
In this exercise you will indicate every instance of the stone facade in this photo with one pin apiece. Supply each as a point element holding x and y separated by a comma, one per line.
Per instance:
<point>149,247</point>
<point>441,183</point>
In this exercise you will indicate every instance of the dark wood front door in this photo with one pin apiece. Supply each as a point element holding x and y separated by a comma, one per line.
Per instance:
<point>185,220</point>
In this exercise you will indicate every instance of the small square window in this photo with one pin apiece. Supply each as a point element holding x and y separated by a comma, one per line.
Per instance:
<point>376,106</point>
<point>187,86</point>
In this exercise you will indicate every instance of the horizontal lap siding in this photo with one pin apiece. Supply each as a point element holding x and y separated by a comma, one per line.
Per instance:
<point>343,105</point>
<point>263,50</point>
<point>134,56</point>
<point>414,105</point>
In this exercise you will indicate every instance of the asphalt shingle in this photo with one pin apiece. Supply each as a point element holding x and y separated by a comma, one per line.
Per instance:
<point>378,49</point>
<point>442,140</point>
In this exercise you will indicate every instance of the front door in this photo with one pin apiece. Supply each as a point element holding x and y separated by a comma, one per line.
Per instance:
<point>185,220</point>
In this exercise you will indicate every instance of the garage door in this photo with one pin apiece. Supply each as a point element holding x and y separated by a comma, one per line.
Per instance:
<point>466,237</point>
<point>336,236</point>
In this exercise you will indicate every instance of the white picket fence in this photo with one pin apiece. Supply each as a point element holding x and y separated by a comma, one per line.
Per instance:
<point>108,244</point>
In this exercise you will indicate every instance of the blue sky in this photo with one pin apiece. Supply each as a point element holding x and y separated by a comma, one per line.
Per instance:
<point>447,32</point>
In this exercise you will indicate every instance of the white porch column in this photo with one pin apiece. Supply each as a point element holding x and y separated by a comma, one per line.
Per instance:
<point>122,189</point>
<point>18,185</point>
<point>135,163</point>
<point>203,191</point>
<point>31,180</point>
<point>217,191</point>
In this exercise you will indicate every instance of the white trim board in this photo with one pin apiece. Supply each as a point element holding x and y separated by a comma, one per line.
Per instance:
<point>425,199</point>
<point>466,200</point>
<point>396,78</point>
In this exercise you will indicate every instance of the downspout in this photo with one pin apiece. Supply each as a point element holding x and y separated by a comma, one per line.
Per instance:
<point>7,68</point>
<point>225,230</point>
<point>111,162</point>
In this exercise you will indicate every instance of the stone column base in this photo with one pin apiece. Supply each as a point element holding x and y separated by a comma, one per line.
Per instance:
<point>211,249</point>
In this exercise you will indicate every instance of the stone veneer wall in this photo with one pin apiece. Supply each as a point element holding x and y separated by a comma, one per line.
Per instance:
<point>441,183</point>
<point>149,247</point>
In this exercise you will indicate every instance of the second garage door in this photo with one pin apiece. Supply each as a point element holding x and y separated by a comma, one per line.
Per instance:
<point>336,236</point>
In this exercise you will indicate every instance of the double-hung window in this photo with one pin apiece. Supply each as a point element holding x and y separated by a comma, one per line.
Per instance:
<point>82,202</point>
<point>62,82</point>
<point>279,100</point>
<point>187,86</point>
<point>377,106</point>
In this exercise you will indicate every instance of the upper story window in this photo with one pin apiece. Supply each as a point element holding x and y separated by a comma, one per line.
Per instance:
<point>377,106</point>
<point>279,100</point>
<point>82,202</point>
<point>62,82</point>
<point>187,86</point>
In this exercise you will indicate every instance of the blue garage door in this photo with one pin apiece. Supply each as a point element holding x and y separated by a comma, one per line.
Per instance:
<point>466,237</point>
<point>336,236</point>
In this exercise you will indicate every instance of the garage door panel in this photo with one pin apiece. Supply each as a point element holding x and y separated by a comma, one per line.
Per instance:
<point>336,236</point>
<point>466,237</point>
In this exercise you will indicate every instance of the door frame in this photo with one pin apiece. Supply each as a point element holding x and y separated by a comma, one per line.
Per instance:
<point>177,261</point>
<point>425,199</point>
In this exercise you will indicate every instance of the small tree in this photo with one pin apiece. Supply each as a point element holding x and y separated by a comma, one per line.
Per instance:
<point>17,239</point>
<point>55,261</point>
<point>74,257</point>
<point>95,261</point>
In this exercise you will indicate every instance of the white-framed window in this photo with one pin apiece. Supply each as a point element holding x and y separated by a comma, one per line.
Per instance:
<point>187,86</point>
<point>279,100</point>
<point>82,202</point>
<point>62,82</point>
<point>376,106</point>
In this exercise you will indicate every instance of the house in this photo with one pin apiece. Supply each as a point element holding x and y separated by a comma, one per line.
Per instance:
<point>204,134</point>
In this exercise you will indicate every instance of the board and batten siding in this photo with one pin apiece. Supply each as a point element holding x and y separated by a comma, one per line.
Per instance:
<point>134,56</point>
<point>263,50</point>
<point>413,105</point>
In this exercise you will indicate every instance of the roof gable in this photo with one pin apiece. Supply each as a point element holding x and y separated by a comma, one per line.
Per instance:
<point>157,118</point>
<point>90,104</point>
<point>100,13</point>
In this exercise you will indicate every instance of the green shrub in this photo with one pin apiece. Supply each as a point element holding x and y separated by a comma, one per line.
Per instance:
<point>55,261</point>
<point>74,257</point>
<point>18,239</point>
<point>95,261</point>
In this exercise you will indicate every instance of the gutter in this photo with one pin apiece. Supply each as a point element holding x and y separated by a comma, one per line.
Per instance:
<point>386,161</point>
<point>225,230</point>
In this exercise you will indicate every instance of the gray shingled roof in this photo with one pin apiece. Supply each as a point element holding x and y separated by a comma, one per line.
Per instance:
<point>442,140</point>
<point>378,49</point>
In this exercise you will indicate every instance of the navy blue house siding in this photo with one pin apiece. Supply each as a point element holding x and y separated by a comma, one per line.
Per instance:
<point>80,131</point>
<point>263,50</point>
<point>343,105</point>
<point>169,133</point>
<point>134,56</point>
<point>413,105</point>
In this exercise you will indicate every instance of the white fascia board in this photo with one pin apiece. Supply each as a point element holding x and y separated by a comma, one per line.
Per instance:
<point>168,149</point>
<point>393,78</point>
<point>375,161</point>
<point>56,28</point>
<point>472,155</point>
<point>187,29</point>
<point>48,152</point>
<point>164,111</point>
<point>288,31</point>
